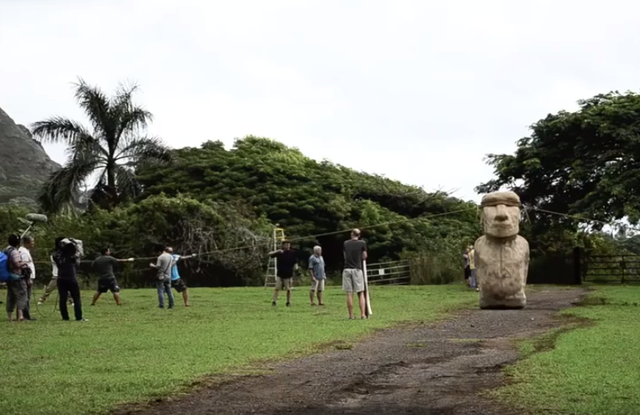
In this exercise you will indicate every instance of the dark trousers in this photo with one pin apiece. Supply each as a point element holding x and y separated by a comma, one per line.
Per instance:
<point>26,312</point>
<point>69,287</point>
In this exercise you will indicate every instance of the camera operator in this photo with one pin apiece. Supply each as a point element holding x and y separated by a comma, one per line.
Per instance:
<point>67,259</point>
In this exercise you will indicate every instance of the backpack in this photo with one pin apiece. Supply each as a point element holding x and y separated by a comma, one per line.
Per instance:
<point>5,276</point>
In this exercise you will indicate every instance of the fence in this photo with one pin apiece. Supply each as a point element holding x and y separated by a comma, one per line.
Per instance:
<point>389,273</point>
<point>611,268</point>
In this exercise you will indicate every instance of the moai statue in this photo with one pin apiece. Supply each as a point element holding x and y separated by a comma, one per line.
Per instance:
<point>501,255</point>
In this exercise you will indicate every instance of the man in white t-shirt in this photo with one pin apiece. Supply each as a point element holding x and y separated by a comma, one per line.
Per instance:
<point>25,256</point>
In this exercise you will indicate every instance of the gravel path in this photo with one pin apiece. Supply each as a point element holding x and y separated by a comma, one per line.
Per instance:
<point>426,369</point>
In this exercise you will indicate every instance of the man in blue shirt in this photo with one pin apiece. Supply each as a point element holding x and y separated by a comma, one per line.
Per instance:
<point>318,275</point>
<point>176,282</point>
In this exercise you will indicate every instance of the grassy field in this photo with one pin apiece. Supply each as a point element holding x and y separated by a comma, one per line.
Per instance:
<point>137,351</point>
<point>592,370</point>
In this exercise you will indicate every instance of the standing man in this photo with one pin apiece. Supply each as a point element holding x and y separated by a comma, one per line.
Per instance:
<point>67,259</point>
<point>28,243</point>
<point>103,266</point>
<point>163,283</point>
<point>467,270</point>
<point>355,251</point>
<point>286,263</point>
<point>177,282</point>
<point>16,286</point>
<point>53,284</point>
<point>318,275</point>
<point>472,268</point>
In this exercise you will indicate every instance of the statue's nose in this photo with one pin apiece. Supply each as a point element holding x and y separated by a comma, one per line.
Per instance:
<point>501,213</point>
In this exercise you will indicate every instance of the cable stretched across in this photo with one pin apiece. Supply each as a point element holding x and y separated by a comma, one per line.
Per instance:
<point>338,232</point>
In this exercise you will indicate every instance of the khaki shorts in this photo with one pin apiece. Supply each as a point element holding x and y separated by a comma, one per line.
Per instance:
<point>284,283</point>
<point>352,280</point>
<point>317,285</point>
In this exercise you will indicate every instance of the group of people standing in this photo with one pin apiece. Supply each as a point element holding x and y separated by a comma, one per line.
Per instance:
<point>65,260</point>
<point>68,252</point>
<point>354,252</point>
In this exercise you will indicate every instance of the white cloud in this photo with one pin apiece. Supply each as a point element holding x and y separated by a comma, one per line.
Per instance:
<point>418,91</point>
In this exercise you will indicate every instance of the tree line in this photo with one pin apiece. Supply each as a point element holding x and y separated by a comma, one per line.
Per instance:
<point>212,200</point>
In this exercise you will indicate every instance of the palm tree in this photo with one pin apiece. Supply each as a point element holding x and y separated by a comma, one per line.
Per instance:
<point>112,150</point>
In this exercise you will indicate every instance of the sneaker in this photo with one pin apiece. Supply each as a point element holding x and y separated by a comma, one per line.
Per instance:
<point>273,303</point>
<point>40,302</point>
<point>83,320</point>
<point>288,304</point>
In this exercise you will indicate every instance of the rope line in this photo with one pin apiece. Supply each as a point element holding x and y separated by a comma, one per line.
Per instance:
<point>395,222</point>
<point>241,247</point>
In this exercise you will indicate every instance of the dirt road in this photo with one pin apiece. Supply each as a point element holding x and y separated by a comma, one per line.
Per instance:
<point>427,369</point>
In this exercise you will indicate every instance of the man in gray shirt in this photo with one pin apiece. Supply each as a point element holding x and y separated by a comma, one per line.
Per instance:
<point>164,264</point>
<point>355,251</point>
<point>103,266</point>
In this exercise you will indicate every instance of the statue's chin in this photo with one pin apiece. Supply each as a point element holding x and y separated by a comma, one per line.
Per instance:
<point>502,232</point>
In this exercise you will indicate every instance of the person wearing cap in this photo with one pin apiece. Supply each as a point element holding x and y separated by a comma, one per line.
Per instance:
<point>176,281</point>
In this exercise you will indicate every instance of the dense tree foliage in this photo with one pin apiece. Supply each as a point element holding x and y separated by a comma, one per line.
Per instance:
<point>584,162</point>
<point>113,147</point>
<point>316,201</point>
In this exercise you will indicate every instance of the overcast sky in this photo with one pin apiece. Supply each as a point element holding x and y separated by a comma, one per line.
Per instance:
<point>418,91</point>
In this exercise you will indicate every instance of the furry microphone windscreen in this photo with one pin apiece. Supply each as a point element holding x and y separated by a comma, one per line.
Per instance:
<point>36,217</point>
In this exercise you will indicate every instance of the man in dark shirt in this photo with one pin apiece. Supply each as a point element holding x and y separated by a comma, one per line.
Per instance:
<point>67,258</point>
<point>355,251</point>
<point>285,265</point>
<point>103,266</point>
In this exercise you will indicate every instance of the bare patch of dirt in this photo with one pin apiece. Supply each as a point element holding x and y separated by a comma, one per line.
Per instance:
<point>435,369</point>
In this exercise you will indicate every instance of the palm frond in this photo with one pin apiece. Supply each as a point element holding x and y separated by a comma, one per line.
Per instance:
<point>62,187</point>
<point>59,129</point>
<point>131,118</point>
<point>97,107</point>
<point>127,183</point>
<point>87,148</point>
<point>144,150</point>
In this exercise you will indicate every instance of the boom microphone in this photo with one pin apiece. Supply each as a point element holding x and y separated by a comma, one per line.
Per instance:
<point>36,217</point>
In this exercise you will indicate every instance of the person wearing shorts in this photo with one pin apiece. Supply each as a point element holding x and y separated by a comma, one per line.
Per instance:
<point>178,283</point>
<point>17,285</point>
<point>103,266</point>
<point>318,276</point>
<point>285,265</point>
<point>355,251</point>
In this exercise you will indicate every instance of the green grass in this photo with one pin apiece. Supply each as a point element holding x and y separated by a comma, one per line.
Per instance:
<point>591,370</point>
<point>137,352</point>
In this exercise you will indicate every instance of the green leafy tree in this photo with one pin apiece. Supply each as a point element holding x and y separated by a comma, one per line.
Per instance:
<point>585,162</point>
<point>111,148</point>
<point>307,197</point>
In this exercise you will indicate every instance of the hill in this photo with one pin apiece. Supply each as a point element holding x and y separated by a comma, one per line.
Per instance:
<point>24,165</point>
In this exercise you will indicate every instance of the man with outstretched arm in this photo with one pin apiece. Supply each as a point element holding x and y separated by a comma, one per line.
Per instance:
<point>163,282</point>
<point>318,275</point>
<point>177,282</point>
<point>103,266</point>
<point>286,263</point>
<point>355,251</point>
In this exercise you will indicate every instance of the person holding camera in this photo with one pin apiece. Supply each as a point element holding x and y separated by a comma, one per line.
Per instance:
<point>67,258</point>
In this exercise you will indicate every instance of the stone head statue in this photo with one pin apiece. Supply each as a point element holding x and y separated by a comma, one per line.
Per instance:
<point>501,255</point>
<point>501,214</point>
